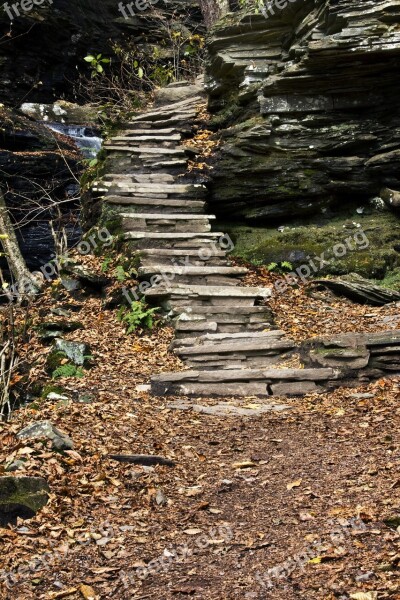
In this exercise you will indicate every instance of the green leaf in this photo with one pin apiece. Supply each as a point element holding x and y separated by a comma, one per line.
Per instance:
<point>99,69</point>
<point>140,72</point>
<point>89,58</point>
<point>93,162</point>
<point>3,236</point>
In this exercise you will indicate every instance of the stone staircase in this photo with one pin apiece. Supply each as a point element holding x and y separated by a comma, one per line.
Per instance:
<point>224,331</point>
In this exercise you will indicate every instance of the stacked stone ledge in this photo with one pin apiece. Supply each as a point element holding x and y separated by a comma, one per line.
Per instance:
<point>224,332</point>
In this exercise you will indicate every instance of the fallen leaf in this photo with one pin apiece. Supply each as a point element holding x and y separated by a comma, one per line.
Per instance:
<point>87,592</point>
<point>192,531</point>
<point>294,484</point>
<point>364,596</point>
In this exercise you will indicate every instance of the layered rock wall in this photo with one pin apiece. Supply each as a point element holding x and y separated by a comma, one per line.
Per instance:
<point>307,104</point>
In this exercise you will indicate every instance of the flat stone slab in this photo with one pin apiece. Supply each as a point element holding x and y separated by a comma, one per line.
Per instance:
<point>169,217</point>
<point>199,271</point>
<point>210,290</point>
<point>247,346</point>
<point>180,151</point>
<point>147,138</point>
<point>226,409</point>
<point>156,187</point>
<point>226,337</point>
<point>228,375</point>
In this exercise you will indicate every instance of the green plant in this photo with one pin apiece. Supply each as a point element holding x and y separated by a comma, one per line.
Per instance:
<point>96,63</point>
<point>120,273</point>
<point>105,264</point>
<point>67,370</point>
<point>139,315</point>
<point>281,267</point>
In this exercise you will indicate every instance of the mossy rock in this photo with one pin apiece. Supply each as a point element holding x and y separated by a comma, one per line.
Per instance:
<point>21,497</point>
<point>369,243</point>
<point>65,351</point>
<point>50,388</point>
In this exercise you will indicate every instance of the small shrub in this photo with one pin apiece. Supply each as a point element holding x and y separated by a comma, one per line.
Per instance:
<point>139,315</point>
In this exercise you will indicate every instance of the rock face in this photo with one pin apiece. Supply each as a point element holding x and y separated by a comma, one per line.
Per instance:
<point>307,103</point>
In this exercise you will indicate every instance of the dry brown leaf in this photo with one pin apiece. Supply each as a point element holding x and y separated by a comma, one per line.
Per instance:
<point>294,484</point>
<point>87,592</point>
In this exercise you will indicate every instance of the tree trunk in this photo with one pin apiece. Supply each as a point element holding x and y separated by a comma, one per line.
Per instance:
<point>25,282</point>
<point>213,9</point>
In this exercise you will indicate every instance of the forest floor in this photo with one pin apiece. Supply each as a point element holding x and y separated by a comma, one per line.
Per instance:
<point>312,491</point>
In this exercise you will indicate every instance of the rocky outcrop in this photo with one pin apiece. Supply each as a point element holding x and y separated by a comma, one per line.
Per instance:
<point>306,101</point>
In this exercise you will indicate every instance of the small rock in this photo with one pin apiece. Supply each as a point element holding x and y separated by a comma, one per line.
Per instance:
<point>161,498</point>
<point>56,397</point>
<point>75,351</point>
<point>14,465</point>
<point>86,399</point>
<point>71,285</point>
<point>143,388</point>
<point>21,497</point>
<point>46,430</point>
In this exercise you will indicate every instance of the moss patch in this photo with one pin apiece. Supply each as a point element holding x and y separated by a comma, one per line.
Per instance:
<point>364,244</point>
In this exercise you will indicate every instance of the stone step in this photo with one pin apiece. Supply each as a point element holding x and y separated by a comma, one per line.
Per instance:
<point>224,338</point>
<point>140,178</point>
<point>180,223</point>
<point>201,242</point>
<point>147,150</point>
<point>178,296</point>
<point>156,205</point>
<point>199,275</point>
<point>189,190</point>
<point>145,132</point>
<point>195,321</point>
<point>184,109</point>
<point>153,137</point>
<point>251,350</point>
<point>243,382</point>
<point>177,123</point>
<point>148,271</point>
<point>167,256</point>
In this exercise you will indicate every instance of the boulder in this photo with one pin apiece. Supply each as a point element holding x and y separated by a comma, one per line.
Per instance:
<point>46,430</point>
<point>21,497</point>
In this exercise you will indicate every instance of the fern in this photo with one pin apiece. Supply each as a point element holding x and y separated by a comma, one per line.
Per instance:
<point>139,315</point>
<point>68,370</point>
